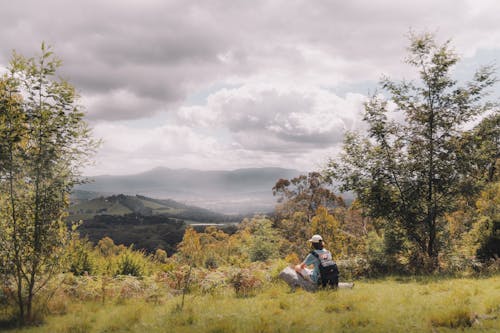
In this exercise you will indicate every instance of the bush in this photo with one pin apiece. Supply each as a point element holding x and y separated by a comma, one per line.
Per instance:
<point>245,283</point>
<point>213,282</point>
<point>131,263</point>
<point>353,268</point>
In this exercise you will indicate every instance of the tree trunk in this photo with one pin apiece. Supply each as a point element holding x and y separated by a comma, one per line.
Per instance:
<point>20,297</point>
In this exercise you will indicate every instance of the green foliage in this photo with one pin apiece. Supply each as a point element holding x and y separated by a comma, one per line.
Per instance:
<point>131,263</point>
<point>161,256</point>
<point>264,239</point>
<point>305,193</point>
<point>412,173</point>
<point>43,143</point>
<point>145,232</point>
<point>486,231</point>
<point>80,254</point>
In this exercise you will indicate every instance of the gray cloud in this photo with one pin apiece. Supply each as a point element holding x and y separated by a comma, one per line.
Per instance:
<point>165,50</point>
<point>282,60</point>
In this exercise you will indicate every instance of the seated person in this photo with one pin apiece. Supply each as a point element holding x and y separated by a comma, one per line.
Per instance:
<point>310,279</point>
<point>314,258</point>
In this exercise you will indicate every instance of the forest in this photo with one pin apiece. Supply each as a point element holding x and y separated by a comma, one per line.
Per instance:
<point>425,222</point>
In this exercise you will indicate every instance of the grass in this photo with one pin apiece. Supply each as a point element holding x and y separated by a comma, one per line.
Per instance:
<point>388,305</point>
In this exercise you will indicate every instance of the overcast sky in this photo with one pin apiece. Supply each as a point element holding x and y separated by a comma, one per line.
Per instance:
<point>231,84</point>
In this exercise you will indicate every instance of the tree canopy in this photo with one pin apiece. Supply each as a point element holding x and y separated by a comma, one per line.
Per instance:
<point>410,173</point>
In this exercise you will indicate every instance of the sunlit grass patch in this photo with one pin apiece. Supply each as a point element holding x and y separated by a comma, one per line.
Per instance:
<point>456,317</point>
<point>373,306</point>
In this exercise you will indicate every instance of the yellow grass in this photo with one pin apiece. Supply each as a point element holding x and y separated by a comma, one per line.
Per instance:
<point>390,305</point>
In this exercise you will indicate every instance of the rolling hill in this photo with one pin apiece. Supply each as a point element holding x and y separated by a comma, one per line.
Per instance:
<point>146,223</point>
<point>120,205</point>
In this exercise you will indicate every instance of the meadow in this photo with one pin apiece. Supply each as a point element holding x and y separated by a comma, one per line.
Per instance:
<point>409,304</point>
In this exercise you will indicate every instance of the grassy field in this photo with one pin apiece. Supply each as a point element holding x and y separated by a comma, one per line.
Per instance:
<point>389,305</point>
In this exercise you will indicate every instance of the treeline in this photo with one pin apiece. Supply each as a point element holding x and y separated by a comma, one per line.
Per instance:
<point>143,232</point>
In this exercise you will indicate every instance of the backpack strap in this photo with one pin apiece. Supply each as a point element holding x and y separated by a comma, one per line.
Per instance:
<point>313,252</point>
<point>319,260</point>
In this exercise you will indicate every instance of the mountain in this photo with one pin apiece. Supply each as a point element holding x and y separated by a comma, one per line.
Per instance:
<point>240,191</point>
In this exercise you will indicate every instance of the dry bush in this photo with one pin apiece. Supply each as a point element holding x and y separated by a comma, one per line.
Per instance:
<point>245,283</point>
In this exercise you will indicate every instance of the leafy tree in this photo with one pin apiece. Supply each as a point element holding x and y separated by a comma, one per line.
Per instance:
<point>486,231</point>
<point>43,142</point>
<point>263,242</point>
<point>298,201</point>
<point>480,155</point>
<point>410,173</point>
<point>305,193</point>
<point>329,228</point>
<point>190,249</point>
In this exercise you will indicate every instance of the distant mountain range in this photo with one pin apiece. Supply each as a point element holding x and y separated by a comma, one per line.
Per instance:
<point>240,191</point>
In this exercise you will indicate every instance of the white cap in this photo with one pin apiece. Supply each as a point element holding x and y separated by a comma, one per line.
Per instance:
<point>316,239</point>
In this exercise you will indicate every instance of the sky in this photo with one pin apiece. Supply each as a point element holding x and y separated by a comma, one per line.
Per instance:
<point>221,85</point>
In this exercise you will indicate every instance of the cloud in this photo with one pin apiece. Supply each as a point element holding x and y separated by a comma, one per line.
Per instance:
<point>165,50</point>
<point>238,127</point>
<point>274,82</point>
<point>119,104</point>
<point>279,118</point>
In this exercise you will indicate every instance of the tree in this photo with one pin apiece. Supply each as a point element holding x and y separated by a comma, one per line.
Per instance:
<point>190,249</point>
<point>43,142</point>
<point>298,201</point>
<point>480,154</point>
<point>263,240</point>
<point>305,193</point>
<point>328,227</point>
<point>410,173</point>
<point>486,231</point>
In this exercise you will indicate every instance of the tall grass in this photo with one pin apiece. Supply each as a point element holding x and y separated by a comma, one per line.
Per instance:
<point>388,305</point>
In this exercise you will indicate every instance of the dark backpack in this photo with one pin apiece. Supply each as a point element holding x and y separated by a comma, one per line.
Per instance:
<point>328,271</point>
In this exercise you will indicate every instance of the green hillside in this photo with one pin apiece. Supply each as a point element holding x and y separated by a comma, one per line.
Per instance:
<point>120,205</point>
<point>144,222</point>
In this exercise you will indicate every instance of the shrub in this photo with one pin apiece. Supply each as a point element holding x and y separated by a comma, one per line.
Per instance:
<point>213,282</point>
<point>245,283</point>
<point>131,263</point>
<point>353,268</point>
<point>161,256</point>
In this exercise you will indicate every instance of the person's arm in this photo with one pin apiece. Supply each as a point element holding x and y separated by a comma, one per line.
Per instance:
<point>300,267</point>
<point>307,262</point>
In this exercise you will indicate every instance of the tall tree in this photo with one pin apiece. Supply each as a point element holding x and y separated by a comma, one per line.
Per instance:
<point>407,173</point>
<point>305,194</point>
<point>44,140</point>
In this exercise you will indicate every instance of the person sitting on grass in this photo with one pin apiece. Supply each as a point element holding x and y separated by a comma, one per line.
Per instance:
<point>323,274</point>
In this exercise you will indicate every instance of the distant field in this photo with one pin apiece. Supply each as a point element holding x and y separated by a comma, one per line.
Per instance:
<point>390,305</point>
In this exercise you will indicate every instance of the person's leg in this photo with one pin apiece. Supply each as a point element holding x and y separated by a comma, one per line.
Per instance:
<point>294,279</point>
<point>306,273</point>
<point>346,285</point>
